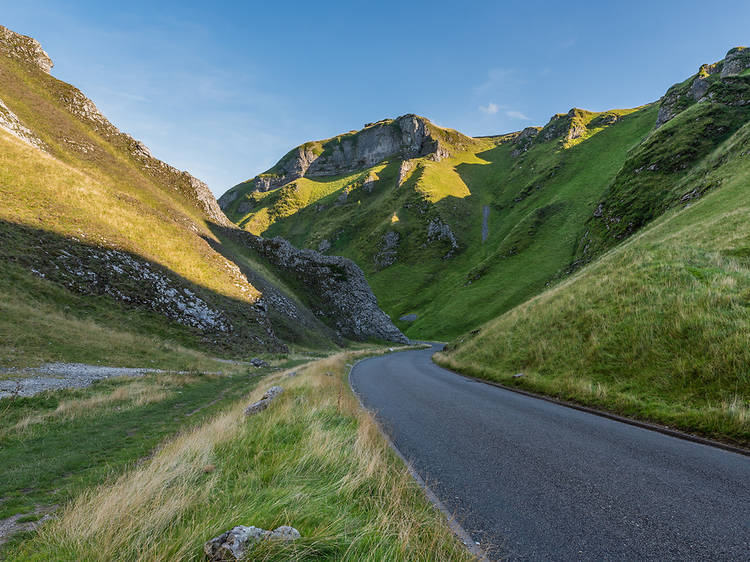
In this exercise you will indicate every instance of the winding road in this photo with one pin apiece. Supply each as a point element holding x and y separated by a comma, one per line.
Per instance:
<point>533,480</point>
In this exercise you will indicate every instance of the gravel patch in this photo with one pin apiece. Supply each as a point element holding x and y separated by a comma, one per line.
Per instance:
<point>56,376</point>
<point>12,525</point>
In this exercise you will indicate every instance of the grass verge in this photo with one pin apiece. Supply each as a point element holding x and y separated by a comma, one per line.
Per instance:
<point>314,459</point>
<point>657,329</point>
<point>56,444</point>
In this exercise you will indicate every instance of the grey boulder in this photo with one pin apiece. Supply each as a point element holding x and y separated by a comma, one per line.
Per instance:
<point>265,400</point>
<point>236,543</point>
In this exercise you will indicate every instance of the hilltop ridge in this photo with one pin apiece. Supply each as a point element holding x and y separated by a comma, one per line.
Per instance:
<point>408,136</point>
<point>95,228</point>
<point>446,222</point>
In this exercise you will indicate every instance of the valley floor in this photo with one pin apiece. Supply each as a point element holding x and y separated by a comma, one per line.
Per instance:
<point>534,480</point>
<point>151,468</point>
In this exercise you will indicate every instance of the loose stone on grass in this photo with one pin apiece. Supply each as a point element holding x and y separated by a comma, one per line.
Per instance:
<point>236,543</point>
<point>265,400</point>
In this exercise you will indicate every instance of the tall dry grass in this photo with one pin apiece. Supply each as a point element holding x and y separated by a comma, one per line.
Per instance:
<point>314,459</point>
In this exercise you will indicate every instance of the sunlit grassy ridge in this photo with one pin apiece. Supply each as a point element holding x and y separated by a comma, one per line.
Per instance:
<point>538,202</point>
<point>658,329</point>
<point>93,187</point>
<point>314,459</point>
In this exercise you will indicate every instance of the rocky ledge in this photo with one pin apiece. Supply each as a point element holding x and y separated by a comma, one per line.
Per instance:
<point>340,294</point>
<point>720,82</point>
<point>25,49</point>
<point>408,136</point>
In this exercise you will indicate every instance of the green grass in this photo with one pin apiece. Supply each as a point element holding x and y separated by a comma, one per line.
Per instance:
<point>56,444</point>
<point>582,185</point>
<point>88,191</point>
<point>43,322</point>
<point>660,171</point>
<point>657,329</point>
<point>313,460</point>
<point>527,247</point>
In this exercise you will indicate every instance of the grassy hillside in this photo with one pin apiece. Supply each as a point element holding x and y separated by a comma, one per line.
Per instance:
<point>109,254</point>
<point>463,234</point>
<point>671,167</point>
<point>658,328</point>
<point>421,243</point>
<point>314,460</point>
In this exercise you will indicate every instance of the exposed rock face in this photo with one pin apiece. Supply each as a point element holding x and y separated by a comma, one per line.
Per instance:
<point>403,172</point>
<point>369,184</point>
<point>87,268</point>
<point>409,136</point>
<point>699,87</point>
<point>437,230</point>
<point>236,543</point>
<point>714,83</point>
<point>563,126</point>
<point>344,298</point>
<point>524,140</point>
<point>229,198</point>
<point>24,48</point>
<point>117,274</point>
<point>388,250</point>
<point>10,122</point>
<point>736,61</point>
<point>264,401</point>
<point>206,199</point>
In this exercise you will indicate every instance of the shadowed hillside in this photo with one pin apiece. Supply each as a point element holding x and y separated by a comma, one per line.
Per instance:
<point>452,231</point>
<point>102,240</point>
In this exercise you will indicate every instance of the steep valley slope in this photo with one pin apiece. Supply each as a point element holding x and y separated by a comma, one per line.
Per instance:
<point>453,231</point>
<point>110,255</point>
<point>658,328</point>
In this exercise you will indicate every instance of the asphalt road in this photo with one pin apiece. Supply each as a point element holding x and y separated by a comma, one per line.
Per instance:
<point>533,480</point>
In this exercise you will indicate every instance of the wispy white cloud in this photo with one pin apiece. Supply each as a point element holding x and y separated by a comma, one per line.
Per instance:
<point>517,115</point>
<point>567,44</point>
<point>498,80</point>
<point>489,109</point>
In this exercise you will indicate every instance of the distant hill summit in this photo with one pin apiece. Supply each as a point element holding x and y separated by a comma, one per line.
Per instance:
<point>452,230</point>
<point>101,239</point>
<point>408,136</point>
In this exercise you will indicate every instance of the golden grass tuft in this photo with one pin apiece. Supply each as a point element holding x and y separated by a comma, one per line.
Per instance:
<point>130,395</point>
<point>314,459</point>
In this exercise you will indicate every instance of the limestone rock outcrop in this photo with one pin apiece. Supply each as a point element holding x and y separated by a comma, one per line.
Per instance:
<point>237,542</point>
<point>343,298</point>
<point>714,83</point>
<point>264,401</point>
<point>10,122</point>
<point>408,136</point>
<point>26,49</point>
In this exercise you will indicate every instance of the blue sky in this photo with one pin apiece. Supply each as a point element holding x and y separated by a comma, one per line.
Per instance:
<point>224,89</point>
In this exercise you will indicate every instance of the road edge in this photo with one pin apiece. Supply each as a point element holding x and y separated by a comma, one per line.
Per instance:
<point>685,436</point>
<point>458,530</point>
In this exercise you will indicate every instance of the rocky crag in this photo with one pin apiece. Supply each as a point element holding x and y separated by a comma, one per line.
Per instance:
<point>406,137</point>
<point>241,311</point>
<point>337,289</point>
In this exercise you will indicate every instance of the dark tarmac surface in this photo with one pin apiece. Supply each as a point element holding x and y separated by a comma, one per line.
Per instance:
<point>534,480</point>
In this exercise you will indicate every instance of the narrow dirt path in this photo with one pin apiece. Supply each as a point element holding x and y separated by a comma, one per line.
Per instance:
<point>55,376</point>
